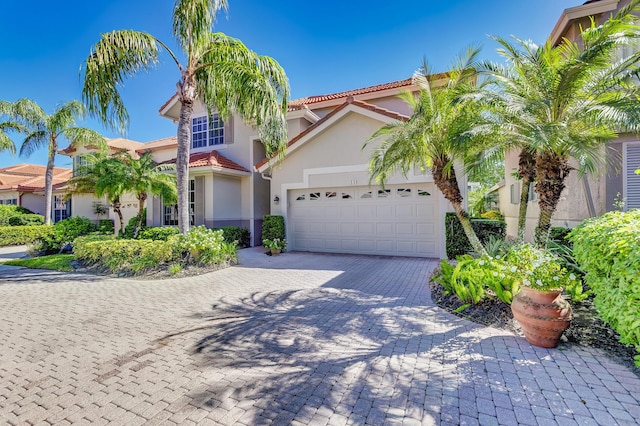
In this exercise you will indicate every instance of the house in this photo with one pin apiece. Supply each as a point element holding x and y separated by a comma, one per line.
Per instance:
<point>589,196</point>
<point>23,185</point>
<point>87,205</point>
<point>323,188</point>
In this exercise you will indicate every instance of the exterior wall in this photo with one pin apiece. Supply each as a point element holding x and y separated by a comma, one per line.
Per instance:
<point>227,199</point>
<point>129,208</point>
<point>393,103</point>
<point>334,159</point>
<point>572,209</point>
<point>261,197</point>
<point>82,205</point>
<point>34,202</point>
<point>10,195</point>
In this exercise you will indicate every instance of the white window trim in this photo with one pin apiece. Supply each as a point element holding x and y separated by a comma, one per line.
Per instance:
<point>208,146</point>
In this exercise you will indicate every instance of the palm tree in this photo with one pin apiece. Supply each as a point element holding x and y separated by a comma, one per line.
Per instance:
<point>103,175</point>
<point>146,177</point>
<point>6,111</point>
<point>447,125</point>
<point>567,101</point>
<point>43,130</point>
<point>219,70</point>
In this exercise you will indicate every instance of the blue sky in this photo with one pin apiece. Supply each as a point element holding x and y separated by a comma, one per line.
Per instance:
<point>324,47</point>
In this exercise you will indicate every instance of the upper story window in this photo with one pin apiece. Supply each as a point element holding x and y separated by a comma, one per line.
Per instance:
<point>79,161</point>
<point>207,131</point>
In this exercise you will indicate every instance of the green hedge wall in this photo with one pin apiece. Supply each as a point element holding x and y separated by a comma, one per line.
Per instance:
<point>18,235</point>
<point>457,242</point>
<point>273,227</point>
<point>606,248</point>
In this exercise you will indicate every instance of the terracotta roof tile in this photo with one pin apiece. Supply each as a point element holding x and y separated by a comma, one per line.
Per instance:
<point>211,159</point>
<point>169,142</point>
<point>22,178</point>
<point>298,103</point>
<point>350,100</point>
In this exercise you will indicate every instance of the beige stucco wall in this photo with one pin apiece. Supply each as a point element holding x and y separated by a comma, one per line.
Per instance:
<point>82,205</point>
<point>33,202</point>
<point>572,208</point>
<point>227,198</point>
<point>334,158</point>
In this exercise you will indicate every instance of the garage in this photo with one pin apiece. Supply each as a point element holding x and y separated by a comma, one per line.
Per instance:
<point>397,220</point>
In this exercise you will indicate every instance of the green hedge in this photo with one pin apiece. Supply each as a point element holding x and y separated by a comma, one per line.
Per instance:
<point>105,226</point>
<point>273,227</point>
<point>241,236</point>
<point>18,235</point>
<point>11,215</point>
<point>65,232</point>
<point>123,255</point>
<point>457,242</point>
<point>158,233</point>
<point>606,248</point>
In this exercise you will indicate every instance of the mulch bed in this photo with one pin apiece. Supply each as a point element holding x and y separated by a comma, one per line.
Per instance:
<point>587,329</point>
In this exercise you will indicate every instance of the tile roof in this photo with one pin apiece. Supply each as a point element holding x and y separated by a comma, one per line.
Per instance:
<point>349,101</point>
<point>115,144</point>
<point>299,103</point>
<point>30,177</point>
<point>211,159</point>
<point>169,142</point>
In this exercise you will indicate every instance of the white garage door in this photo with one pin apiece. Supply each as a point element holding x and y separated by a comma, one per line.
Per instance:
<point>401,220</point>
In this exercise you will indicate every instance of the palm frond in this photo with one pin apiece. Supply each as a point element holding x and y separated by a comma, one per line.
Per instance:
<point>118,55</point>
<point>33,142</point>
<point>193,20</point>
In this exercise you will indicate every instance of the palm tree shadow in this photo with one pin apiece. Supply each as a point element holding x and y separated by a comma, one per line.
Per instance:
<point>298,354</point>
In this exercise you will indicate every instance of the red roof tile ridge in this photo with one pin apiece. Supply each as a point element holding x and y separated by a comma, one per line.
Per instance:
<point>353,92</point>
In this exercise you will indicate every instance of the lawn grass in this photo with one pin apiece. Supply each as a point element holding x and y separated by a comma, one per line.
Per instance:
<point>56,262</point>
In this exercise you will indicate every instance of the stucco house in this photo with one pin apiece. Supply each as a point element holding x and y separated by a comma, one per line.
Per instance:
<point>23,185</point>
<point>591,195</point>
<point>322,187</point>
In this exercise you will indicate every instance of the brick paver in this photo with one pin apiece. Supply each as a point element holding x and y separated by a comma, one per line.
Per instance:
<point>302,339</point>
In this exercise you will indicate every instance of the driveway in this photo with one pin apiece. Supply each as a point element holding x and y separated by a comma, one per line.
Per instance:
<point>302,339</point>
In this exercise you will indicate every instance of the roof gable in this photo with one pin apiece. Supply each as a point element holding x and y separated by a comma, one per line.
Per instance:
<point>351,105</point>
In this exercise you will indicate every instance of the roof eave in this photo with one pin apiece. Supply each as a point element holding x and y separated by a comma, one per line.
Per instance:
<point>571,14</point>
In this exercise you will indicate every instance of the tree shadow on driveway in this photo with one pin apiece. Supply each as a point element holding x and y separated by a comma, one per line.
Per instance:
<point>377,354</point>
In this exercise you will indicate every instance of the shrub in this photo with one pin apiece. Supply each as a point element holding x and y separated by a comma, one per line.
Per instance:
<point>105,226</point>
<point>27,219</point>
<point>273,227</point>
<point>203,246</point>
<point>492,215</point>
<point>19,235</point>
<point>123,255</point>
<point>9,213</point>
<point>457,242</point>
<point>158,233</point>
<point>234,234</point>
<point>471,277</point>
<point>607,250</point>
<point>65,232</point>
<point>276,244</point>
<point>131,225</point>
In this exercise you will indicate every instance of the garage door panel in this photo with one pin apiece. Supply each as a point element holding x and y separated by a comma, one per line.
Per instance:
<point>402,220</point>
<point>405,228</point>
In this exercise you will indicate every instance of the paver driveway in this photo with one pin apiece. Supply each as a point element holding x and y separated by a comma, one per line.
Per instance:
<point>294,339</point>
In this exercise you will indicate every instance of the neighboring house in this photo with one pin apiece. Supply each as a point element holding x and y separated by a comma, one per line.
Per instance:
<point>592,195</point>
<point>23,185</point>
<point>322,187</point>
<point>85,204</point>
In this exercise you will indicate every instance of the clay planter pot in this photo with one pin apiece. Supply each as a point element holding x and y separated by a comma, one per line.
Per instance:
<point>544,316</point>
<point>275,251</point>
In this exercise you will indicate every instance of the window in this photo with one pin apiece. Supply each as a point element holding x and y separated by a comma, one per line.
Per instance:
<point>301,197</point>
<point>207,131</point>
<point>314,196</point>
<point>423,193</point>
<point>171,211</point>
<point>330,194</point>
<point>78,162</point>
<point>61,208</point>
<point>404,192</point>
<point>631,179</point>
<point>10,201</point>
<point>383,193</point>
<point>515,193</point>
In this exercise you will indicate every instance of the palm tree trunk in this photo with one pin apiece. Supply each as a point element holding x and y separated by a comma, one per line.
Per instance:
<point>527,171</point>
<point>551,171</point>
<point>448,185</point>
<point>48,181</point>
<point>142,197</point>
<point>187,92</point>
<point>116,209</point>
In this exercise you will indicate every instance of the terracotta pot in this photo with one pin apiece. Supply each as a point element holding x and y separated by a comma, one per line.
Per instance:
<point>544,316</point>
<point>276,251</point>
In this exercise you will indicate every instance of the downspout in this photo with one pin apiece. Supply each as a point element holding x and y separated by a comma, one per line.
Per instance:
<point>587,195</point>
